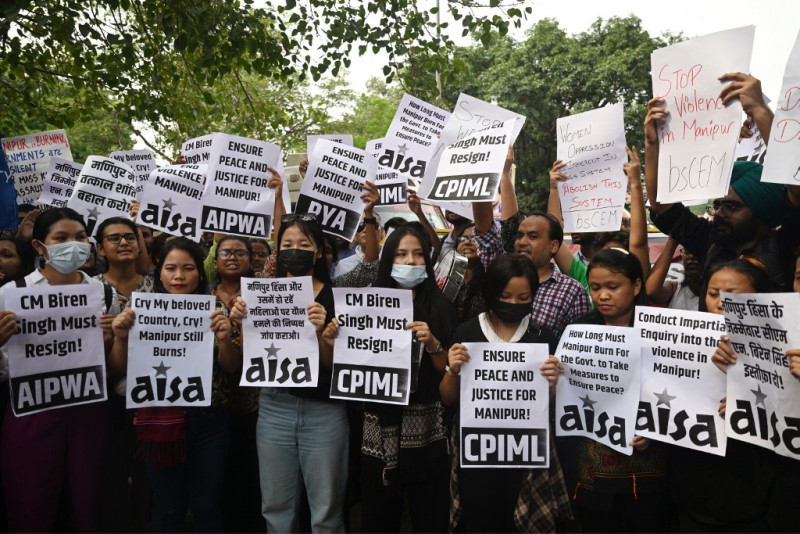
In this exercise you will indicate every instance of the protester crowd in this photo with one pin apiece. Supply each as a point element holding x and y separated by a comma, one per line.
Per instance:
<point>293,459</point>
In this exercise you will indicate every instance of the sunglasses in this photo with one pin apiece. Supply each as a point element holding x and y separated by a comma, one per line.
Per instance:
<point>116,238</point>
<point>292,217</point>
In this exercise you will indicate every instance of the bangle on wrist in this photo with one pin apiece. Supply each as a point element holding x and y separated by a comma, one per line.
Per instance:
<point>449,371</point>
<point>436,350</point>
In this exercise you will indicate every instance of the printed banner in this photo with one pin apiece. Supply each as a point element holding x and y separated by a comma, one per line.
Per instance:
<point>469,116</point>
<point>170,350</point>
<point>104,189</point>
<point>392,188</point>
<point>332,188</point>
<point>172,200</point>
<point>277,324</point>
<point>372,357</point>
<point>342,139</point>
<point>470,169</point>
<point>141,162</point>
<point>681,386</point>
<point>763,406</point>
<point>698,139</point>
<point>412,137</point>
<point>28,158</point>
<point>237,200</point>
<point>56,358</point>
<point>592,144</point>
<point>782,162</point>
<point>505,403</point>
<point>597,396</point>
<point>198,149</point>
<point>59,182</point>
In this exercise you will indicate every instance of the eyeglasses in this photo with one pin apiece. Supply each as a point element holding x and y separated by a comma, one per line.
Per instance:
<point>305,217</point>
<point>467,239</point>
<point>725,206</point>
<point>116,238</point>
<point>239,253</point>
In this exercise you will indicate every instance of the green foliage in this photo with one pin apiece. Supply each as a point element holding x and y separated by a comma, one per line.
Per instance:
<point>158,63</point>
<point>550,75</point>
<point>372,113</point>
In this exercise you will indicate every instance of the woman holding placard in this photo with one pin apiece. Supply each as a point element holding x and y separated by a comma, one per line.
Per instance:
<point>186,447</point>
<point>302,435</point>
<point>508,289</point>
<point>615,492</point>
<point>61,452</point>
<point>405,447</point>
<point>725,493</point>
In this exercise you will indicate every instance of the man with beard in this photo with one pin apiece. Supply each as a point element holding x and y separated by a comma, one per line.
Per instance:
<point>745,219</point>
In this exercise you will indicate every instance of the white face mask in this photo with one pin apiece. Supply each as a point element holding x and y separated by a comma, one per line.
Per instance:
<point>67,257</point>
<point>409,276</point>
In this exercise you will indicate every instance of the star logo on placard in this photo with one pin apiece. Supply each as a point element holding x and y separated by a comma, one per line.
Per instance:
<point>93,213</point>
<point>161,369</point>
<point>664,398</point>
<point>168,204</point>
<point>402,149</point>
<point>760,396</point>
<point>272,351</point>
<point>587,402</point>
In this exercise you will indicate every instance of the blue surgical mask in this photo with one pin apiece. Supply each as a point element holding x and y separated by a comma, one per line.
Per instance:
<point>409,276</point>
<point>67,257</point>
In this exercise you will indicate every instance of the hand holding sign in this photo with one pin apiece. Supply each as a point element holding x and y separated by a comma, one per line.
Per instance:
<point>317,315</point>
<point>456,357</point>
<point>724,355</point>
<point>746,88</point>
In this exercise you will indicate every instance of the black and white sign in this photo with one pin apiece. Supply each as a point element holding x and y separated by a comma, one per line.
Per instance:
<point>505,402</point>
<point>332,187</point>
<point>57,357</point>
<point>170,350</point>
<point>237,200</point>
<point>59,182</point>
<point>681,386</point>
<point>280,343</point>
<point>172,200</point>
<point>597,396</point>
<point>372,355</point>
<point>104,189</point>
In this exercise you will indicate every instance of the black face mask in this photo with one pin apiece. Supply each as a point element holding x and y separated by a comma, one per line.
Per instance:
<point>295,261</point>
<point>509,312</point>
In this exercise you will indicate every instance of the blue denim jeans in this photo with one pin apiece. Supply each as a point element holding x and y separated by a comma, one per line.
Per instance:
<point>302,441</point>
<point>198,481</point>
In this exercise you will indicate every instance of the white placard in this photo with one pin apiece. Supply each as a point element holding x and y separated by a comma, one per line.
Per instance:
<point>392,187</point>
<point>280,343</point>
<point>198,149</point>
<point>505,404</point>
<point>170,350</point>
<point>470,169</point>
<point>763,403</point>
<point>59,182</point>
<point>597,396</point>
<point>104,189</point>
<point>57,357</point>
<point>237,200</point>
<point>469,116</point>
<point>372,356</point>
<point>332,187</point>
<point>592,144</point>
<point>142,162</point>
<point>28,159</point>
<point>681,386</point>
<point>782,162</point>
<point>698,139</point>
<point>342,139</point>
<point>172,200</point>
<point>412,137</point>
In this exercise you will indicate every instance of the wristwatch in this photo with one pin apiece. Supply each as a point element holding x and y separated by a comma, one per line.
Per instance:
<point>370,220</point>
<point>449,371</point>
